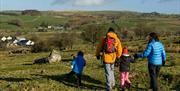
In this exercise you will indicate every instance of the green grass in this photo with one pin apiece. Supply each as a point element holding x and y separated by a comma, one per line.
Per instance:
<point>29,22</point>
<point>18,74</point>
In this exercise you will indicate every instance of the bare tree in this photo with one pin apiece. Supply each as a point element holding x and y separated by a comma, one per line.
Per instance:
<point>64,40</point>
<point>142,30</point>
<point>93,33</point>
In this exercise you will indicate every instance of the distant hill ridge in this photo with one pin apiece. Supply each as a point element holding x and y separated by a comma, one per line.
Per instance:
<point>36,12</point>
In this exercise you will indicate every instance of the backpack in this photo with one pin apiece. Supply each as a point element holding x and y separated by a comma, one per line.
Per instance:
<point>109,46</point>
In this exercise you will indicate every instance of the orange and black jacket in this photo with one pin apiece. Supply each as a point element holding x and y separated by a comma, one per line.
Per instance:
<point>110,57</point>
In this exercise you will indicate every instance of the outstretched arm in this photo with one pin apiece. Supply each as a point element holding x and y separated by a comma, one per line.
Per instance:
<point>132,60</point>
<point>146,52</point>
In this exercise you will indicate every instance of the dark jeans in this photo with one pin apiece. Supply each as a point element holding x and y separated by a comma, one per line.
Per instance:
<point>78,77</point>
<point>154,72</point>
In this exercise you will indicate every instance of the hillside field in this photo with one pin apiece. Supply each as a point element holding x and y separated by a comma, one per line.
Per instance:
<point>81,30</point>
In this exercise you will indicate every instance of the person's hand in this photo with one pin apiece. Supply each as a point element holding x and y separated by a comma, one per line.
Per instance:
<point>117,58</point>
<point>117,62</point>
<point>98,57</point>
<point>163,63</point>
<point>135,56</point>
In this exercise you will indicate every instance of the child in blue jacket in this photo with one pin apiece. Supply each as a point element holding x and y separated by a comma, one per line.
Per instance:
<point>77,66</point>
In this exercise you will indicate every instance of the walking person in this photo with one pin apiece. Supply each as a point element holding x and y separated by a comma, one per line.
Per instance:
<point>156,55</point>
<point>124,68</point>
<point>109,49</point>
<point>77,67</point>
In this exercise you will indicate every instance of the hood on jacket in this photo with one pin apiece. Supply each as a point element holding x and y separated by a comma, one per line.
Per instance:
<point>112,34</point>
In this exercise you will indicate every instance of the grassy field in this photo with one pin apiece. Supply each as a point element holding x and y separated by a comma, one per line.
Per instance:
<point>19,74</point>
<point>124,20</point>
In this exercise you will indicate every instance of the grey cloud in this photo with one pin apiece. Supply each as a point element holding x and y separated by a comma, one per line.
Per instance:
<point>83,2</point>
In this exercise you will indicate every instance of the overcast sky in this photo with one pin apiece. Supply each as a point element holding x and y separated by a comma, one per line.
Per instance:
<point>161,6</point>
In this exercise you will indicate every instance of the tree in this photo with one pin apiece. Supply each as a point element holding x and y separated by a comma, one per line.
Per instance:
<point>64,40</point>
<point>31,12</point>
<point>92,33</point>
<point>142,30</point>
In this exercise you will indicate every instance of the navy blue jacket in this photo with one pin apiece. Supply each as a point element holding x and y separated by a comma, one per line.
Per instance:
<point>124,63</point>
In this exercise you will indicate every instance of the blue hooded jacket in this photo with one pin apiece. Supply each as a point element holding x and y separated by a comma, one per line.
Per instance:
<point>78,64</point>
<point>154,52</point>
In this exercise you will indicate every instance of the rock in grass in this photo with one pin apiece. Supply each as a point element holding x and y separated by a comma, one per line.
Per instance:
<point>54,56</point>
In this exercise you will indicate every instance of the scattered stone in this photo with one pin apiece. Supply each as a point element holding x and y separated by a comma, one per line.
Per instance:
<point>52,58</point>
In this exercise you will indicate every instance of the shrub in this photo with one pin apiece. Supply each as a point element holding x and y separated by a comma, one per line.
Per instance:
<point>90,36</point>
<point>142,30</point>
<point>16,22</point>
<point>127,34</point>
<point>31,12</point>
<point>64,40</point>
<point>2,45</point>
<point>40,46</point>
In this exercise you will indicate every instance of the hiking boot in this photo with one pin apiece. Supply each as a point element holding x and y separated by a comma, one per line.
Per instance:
<point>109,90</point>
<point>121,88</point>
<point>113,87</point>
<point>79,86</point>
<point>129,85</point>
<point>150,87</point>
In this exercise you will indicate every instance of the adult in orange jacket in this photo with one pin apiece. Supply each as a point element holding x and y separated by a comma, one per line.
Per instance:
<point>109,57</point>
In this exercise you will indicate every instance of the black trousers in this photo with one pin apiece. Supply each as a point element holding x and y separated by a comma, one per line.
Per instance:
<point>78,77</point>
<point>154,72</point>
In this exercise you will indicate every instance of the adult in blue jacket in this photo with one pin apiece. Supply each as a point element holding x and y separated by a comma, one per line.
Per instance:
<point>156,58</point>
